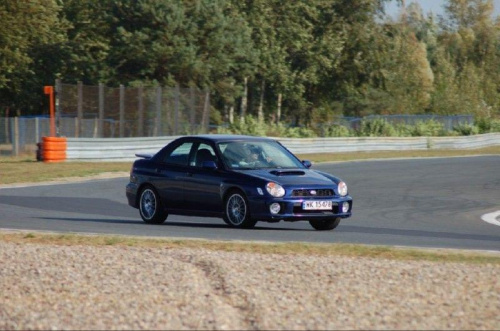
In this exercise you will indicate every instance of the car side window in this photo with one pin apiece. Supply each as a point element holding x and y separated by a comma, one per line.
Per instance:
<point>203,153</point>
<point>179,155</point>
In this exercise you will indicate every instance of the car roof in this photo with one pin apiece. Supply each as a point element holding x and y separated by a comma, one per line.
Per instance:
<point>227,137</point>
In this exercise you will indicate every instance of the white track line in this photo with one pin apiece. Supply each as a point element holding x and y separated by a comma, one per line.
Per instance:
<point>492,218</point>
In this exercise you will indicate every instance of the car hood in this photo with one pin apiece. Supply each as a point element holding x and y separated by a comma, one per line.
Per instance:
<point>291,177</point>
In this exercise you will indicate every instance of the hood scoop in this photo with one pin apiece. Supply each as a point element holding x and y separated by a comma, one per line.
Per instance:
<point>287,172</point>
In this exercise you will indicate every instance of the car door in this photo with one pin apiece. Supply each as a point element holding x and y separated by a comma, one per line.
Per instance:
<point>201,185</point>
<point>170,174</point>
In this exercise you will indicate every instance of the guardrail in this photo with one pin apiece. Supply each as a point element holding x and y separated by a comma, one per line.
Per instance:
<point>124,149</point>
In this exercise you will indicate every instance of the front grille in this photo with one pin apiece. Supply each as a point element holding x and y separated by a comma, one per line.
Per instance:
<point>309,193</point>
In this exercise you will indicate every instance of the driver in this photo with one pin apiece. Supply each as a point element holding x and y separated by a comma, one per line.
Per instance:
<point>254,155</point>
<point>251,154</point>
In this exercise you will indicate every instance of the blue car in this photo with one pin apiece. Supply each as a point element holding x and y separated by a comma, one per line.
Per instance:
<point>242,179</point>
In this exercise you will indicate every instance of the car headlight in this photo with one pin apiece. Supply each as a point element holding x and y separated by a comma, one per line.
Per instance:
<point>342,189</point>
<point>276,190</point>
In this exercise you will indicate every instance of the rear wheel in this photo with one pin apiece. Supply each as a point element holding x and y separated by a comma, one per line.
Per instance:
<point>323,225</point>
<point>150,206</point>
<point>236,211</point>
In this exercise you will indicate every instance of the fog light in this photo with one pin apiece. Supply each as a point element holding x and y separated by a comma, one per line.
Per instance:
<point>345,207</point>
<point>275,208</point>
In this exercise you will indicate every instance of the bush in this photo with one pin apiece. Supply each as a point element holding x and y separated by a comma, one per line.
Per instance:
<point>252,127</point>
<point>377,127</point>
<point>370,127</point>
<point>427,128</point>
<point>466,129</point>
<point>495,126</point>
<point>337,131</point>
<point>299,132</point>
<point>249,126</point>
<point>487,125</point>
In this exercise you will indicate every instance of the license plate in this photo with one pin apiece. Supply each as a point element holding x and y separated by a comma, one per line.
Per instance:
<point>317,205</point>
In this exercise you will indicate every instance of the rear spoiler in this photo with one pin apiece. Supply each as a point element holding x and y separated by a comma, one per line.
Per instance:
<point>144,156</point>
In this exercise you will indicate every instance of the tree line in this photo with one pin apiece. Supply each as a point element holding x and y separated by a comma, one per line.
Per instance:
<point>301,61</point>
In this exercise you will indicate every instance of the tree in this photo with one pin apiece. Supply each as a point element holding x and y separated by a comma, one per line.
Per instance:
<point>191,42</point>
<point>29,30</point>
<point>297,44</point>
<point>445,99</point>
<point>88,43</point>
<point>409,78</point>
<point>468,13</point>
<point>356,84</point>
<point>472,43</point>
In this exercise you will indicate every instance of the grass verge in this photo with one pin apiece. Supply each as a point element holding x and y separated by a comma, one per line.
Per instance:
<point>351,250</point>
<point>353,156</point>
<point>27,170</point>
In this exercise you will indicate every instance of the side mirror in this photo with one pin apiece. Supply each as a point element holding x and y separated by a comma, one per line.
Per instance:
<point>307,163</point>
<point>209,165</point>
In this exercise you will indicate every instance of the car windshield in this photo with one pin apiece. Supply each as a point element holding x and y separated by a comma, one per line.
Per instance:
<point>246,155</point>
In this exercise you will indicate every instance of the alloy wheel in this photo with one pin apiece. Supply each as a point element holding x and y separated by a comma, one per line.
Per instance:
<point>148,204</point>
<point>236,209</point>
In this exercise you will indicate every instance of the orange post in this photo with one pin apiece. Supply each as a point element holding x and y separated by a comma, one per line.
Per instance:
<point>49,90</point>
<point>53,149</point>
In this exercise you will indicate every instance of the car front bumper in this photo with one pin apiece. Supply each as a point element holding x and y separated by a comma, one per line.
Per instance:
<point>291,209</point>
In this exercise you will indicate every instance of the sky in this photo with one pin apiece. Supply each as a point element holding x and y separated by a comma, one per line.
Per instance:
<point>436,6</point>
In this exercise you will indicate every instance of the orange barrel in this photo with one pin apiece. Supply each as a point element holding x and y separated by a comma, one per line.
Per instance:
<point>54,149</point>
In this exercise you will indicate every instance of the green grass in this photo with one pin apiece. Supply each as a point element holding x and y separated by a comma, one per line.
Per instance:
<point>361,251</point>
<point>27,170</point>
<point>352,156</point>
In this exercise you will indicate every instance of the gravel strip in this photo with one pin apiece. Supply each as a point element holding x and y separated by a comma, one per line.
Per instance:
<point>111,287</point>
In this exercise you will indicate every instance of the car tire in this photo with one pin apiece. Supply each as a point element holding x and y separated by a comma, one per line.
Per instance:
<point>150,206</point>
<point>323,225</point>
<point>236,211</point>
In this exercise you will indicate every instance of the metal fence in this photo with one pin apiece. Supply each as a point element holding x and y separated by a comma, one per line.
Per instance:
<point>106,112</point>
<point>103,112</point>
<point>21,134</point>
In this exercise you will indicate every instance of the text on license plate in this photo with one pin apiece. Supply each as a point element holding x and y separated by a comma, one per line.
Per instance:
<point>317,205</point>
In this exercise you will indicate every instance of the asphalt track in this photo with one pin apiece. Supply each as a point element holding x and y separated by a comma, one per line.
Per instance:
<point>434,202</point>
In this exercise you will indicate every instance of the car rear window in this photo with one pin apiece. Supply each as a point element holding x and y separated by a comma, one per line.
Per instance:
<point>180,155</point>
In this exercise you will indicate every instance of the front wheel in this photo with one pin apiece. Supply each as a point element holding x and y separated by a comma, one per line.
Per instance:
<point>236,211</point>
<point>150,207</point>
<point>323,225</point>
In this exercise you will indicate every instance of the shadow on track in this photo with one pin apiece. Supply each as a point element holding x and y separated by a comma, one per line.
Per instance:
<point>94,206</point>
<point>91,220</point>
<point>167,224</point>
